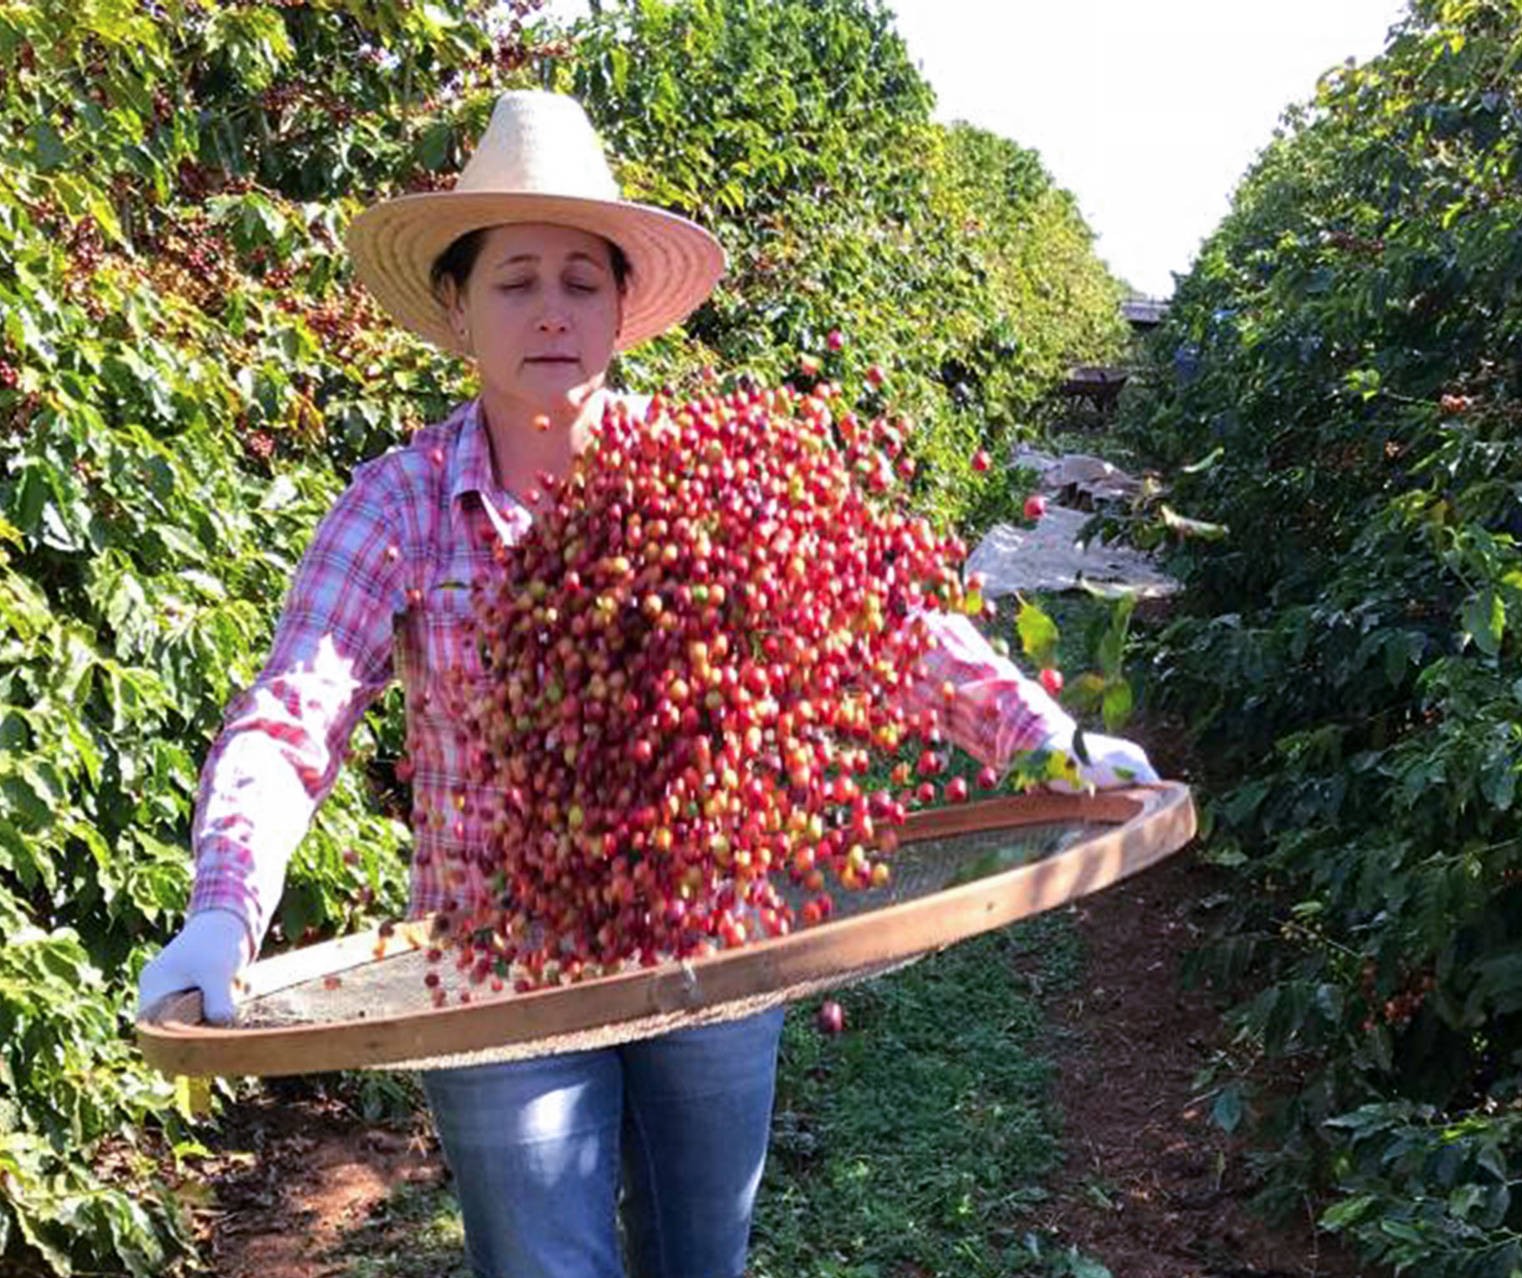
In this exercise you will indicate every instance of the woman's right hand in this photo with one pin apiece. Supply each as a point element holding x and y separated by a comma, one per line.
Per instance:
<point>209,952</point>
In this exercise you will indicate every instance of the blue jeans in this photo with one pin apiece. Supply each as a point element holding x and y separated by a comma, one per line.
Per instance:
<point>539,1149</point>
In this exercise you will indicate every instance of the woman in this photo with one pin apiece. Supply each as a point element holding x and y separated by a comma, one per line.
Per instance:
<point>534,268</point>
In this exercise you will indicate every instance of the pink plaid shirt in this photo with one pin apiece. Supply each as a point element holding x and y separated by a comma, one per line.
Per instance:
<point>383,592</point>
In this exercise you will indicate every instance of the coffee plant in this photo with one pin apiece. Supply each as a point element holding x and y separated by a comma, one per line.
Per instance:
<point>188,374</point>
<point>1338,388</point>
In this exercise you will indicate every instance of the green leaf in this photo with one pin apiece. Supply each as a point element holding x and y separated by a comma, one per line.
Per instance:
<point>1117,705</point>
<point>1402,649</point>
<point>1038,634</point>
<point>25,803</point>
<point>1227,1111</point>
<point>433,149</point>
<point>1348,1211</point>
<point>1493,1160</point>
<point>1191,528</point>
<point>1484,617</point>
<point>255,42</point>
<point>75,666</point>
<point>1113,643</point>
<point>50,151</point>
<point>126,604</point>
<point>1363,382</point>
<point>1401,1229</point>
<point>1204,463</point>
<point>192,1097</point>
<point>115,21</point>
<point>1108,590</point>
<point>181,544</point>
<point>104,213</point>
<point>1464,1199</point>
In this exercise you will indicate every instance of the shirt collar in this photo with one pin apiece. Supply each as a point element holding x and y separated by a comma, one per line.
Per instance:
<point>472,454</point>
<point>473,474</point>
<point>472,459</point>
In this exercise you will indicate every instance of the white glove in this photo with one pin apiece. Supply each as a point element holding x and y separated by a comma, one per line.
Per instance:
<point>210,950</point>
<point>1113,762</point>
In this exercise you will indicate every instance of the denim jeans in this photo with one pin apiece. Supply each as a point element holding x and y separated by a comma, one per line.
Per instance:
<point>541,1148</point>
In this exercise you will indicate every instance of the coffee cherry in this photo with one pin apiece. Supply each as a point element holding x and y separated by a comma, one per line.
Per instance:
<point>1051,680</point>
<point>260,444</point>
<point>980,460</point>
<point>1035,507</point>
<point>831,1018</point>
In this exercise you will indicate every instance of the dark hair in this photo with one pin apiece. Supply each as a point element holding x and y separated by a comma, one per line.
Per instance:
<point>459,259</point>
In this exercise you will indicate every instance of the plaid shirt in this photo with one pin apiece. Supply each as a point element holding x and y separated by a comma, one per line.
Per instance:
<point>383,592</point>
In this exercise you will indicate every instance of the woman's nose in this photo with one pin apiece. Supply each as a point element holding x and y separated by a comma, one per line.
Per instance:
<point>552,322</point>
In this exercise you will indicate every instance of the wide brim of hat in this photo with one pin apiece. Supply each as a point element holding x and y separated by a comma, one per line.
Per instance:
<point>674,264</point>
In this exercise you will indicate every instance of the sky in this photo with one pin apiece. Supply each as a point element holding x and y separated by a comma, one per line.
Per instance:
<point>1149,111</point>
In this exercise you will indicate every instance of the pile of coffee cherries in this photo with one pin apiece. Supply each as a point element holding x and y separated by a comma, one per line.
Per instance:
<point>695,654</point>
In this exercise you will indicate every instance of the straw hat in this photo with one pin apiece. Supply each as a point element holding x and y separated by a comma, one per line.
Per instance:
<point>539,161</point>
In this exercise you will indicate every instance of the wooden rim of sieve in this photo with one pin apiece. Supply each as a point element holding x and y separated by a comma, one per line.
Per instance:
<point>1139,826</point>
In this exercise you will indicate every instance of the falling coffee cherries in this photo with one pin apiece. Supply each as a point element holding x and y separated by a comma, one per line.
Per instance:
<point>690,661</point>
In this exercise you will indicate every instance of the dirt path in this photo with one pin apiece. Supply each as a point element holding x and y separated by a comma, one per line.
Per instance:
<point>1152,1187</point>
<point>317,1174</point>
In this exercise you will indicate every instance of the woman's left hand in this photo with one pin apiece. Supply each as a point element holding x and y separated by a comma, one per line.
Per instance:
<point>1113,763</point>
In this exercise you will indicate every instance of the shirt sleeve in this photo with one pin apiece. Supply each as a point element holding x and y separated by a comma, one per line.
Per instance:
<point>985,704</point>
<point>284,738</point>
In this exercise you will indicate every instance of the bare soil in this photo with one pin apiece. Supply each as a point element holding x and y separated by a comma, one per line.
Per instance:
<point>1153,1187</point>
<point>311,1173</point>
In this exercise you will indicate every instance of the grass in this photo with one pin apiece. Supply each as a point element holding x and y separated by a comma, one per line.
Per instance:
<point>915,1144</point>
<point>416,1233</point>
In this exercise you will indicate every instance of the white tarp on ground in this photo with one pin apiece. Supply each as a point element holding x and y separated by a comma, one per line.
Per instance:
<point>1093,476</point>
<point>1049,556</point>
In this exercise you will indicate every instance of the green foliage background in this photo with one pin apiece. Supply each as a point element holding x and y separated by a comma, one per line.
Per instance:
<point>1340,383</point>
<point>188,373</point>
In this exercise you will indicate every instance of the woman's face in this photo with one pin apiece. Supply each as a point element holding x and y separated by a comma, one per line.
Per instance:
<point>540,313</point>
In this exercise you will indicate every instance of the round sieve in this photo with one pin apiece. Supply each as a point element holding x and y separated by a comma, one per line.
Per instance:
<point>958,871</point>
